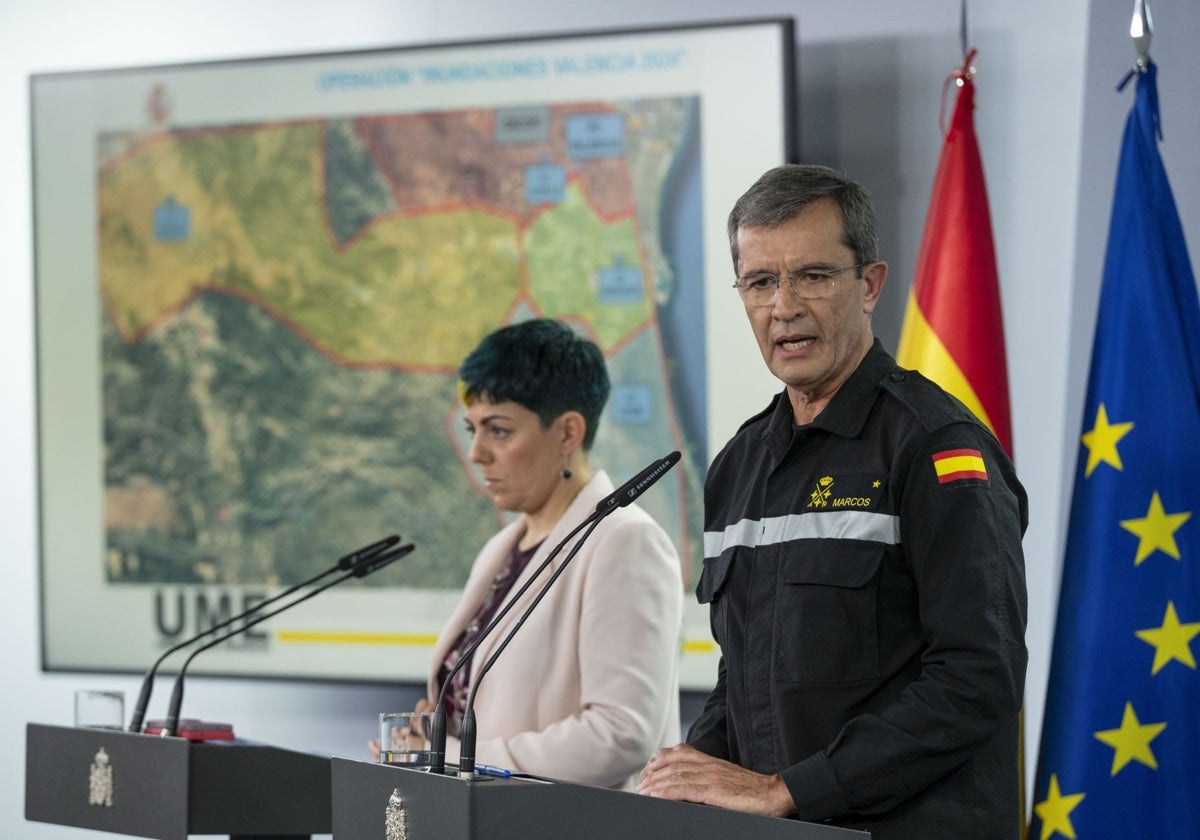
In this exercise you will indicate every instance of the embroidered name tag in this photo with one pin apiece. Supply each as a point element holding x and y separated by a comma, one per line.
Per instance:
<point>856,491</point>
<point>959,464</point>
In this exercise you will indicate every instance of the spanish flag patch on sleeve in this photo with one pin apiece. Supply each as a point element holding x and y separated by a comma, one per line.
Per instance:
<point>958,464</point>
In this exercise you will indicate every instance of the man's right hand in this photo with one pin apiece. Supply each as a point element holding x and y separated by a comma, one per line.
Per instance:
<point>684,773</point>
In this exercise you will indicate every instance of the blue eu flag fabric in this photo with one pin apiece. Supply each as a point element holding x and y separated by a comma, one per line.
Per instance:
<point>1120,749</point>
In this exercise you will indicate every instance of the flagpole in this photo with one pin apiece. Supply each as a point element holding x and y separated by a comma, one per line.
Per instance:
<point>964,35</point>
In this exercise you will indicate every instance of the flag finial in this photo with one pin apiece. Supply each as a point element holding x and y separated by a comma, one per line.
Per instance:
<point>1141,28</point>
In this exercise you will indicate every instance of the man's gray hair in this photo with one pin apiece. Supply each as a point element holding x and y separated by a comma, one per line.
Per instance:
<point>783,192</point>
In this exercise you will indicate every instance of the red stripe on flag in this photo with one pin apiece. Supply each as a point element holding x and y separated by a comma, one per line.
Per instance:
<point>956,453</point>
<point>961,474</point>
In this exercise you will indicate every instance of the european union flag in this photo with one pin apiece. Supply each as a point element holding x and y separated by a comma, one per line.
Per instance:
<point>1120,752</point>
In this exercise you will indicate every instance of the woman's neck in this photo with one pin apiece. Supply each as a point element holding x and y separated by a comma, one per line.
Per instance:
<point>539,523</point>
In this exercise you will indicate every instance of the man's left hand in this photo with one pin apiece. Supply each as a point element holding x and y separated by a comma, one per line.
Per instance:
<point>686,774</point>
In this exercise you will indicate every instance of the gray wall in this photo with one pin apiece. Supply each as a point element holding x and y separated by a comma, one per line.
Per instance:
<point>871,73</point>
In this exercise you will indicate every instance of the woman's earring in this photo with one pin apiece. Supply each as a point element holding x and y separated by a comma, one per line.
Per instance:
<point>566,472</point>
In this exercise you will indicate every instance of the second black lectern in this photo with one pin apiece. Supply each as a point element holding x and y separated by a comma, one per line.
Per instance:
<point>378,802</point>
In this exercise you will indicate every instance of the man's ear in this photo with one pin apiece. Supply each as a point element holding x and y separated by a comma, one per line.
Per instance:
<point>875,275</point>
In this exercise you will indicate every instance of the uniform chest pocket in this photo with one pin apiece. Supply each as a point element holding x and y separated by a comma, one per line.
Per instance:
<point>711,587</point>
<point>826,612</point>
<point>712,578</point>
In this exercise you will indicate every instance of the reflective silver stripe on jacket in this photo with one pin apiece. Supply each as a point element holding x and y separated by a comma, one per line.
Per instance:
<point>817,525</point>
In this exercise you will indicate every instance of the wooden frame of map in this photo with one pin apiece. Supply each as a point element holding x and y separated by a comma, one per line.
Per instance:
<point>255,280</point>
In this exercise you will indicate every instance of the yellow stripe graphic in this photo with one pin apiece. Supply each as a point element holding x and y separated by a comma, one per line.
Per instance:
<point>325,637</point>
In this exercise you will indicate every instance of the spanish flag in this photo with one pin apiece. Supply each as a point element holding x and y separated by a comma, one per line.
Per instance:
<point>953,330</point>
<point>958,464</point>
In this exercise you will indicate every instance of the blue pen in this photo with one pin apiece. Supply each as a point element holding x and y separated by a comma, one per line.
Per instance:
<point>488,770</point>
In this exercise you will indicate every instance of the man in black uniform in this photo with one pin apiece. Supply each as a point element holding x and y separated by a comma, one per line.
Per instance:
<point>862,560</point>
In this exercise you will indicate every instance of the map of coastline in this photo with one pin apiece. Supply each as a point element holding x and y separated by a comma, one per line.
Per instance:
<point>285,305</point>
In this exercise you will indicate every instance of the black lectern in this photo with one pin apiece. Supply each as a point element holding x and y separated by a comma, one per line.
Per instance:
<point>168,788</point>
<point>368,797</point>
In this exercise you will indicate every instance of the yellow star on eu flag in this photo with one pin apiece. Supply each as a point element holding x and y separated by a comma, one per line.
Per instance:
<point>1055,811</point>
<point>1156,531</point>
<point>1101,442</point>
<point>1132,741</point>
<point>1171,641</point>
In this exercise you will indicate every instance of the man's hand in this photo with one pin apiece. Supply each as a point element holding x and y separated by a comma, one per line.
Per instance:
<point>684,773</point>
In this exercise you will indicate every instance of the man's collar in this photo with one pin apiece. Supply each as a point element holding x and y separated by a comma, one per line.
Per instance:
<point>847,410</point>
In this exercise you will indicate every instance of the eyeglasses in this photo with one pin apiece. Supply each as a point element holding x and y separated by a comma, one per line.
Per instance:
<point>806,283</point>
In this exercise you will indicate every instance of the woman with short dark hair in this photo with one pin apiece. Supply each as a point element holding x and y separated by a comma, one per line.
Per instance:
<point>588,689</point>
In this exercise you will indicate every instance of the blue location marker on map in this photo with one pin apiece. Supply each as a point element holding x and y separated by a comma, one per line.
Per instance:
<point>631,405</point>
<point>545,183</point>
<point>621,283</point>
<point>595,135</point>
<point>172,221</point>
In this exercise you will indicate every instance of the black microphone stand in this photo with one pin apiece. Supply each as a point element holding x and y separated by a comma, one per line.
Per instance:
<point>622,496</point>
<point>466,752</point>
<point>143,701</point>
<point>437,727</point>
<point>362,568</point>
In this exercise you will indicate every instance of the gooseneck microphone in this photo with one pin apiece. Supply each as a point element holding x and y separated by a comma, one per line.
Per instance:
<point>621,497</point>
<point>344,563</point>
<point>361,568</point>
<point>437,727</point>
<point>467,736</point>
<point>640,483</point>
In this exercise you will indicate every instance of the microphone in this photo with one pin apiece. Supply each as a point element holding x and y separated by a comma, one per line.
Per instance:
<point>628,492</point>
<point>362,567</point>
<point>344,563</point>
<point>437,727</point>
<point>624,495</point>
<point>621,497</point>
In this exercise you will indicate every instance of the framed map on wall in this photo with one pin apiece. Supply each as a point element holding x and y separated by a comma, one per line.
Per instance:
<point>256,280</point>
